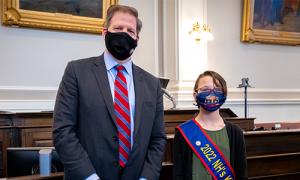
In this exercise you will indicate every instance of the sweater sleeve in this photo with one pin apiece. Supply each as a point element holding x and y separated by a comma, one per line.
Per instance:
<point>237,151</point>
<point>241,157</point>
<point>180,157</point>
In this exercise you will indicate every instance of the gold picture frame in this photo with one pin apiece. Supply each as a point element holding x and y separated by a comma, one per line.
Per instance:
<point>275,22</point>
<point>27,13</point>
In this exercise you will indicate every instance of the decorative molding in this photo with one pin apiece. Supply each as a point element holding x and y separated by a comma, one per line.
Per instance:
<point>27,98</point>
<point>12,15</point>
<point>27,105</point>
<point>269,101</point>
<point>27,92</point>
<point>28,88</point>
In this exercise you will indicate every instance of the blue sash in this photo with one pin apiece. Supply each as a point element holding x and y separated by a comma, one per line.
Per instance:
<point>206,150</point>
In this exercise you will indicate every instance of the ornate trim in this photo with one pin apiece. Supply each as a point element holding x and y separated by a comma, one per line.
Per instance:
<point>12,15</point>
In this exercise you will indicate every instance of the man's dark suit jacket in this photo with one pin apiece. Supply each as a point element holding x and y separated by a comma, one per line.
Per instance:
<point>85,133</point>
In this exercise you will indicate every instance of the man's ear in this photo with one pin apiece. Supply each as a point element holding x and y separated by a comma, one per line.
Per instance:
<point>104,31</point>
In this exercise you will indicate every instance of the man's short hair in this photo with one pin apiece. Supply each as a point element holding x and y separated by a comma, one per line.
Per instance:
<point>125,9</point>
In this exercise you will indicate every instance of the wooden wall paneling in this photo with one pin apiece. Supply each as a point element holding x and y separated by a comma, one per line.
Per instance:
<point>272,142</point>
<point>36,137</point>
<point>271,165</point>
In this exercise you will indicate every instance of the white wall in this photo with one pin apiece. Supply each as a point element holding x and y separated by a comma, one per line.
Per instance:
<point>272,69</point>
<point>267,66</point>
<point>33,60</point>
<point>31,57</point>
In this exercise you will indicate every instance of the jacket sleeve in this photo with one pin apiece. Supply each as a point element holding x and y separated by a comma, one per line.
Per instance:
<point>153,162</point>
<point>241,158</point>
<point>180,157</point>
<point>73,156</point>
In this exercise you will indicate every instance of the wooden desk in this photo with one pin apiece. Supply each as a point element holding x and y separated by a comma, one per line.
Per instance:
<point>272,154</point>
<point>35,130</point>
<point>23,130</point>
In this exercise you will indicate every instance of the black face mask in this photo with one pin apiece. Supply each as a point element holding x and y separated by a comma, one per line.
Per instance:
<point>120,44</point>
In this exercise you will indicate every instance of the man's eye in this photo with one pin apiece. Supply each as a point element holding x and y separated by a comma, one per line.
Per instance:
<point>131,32</point>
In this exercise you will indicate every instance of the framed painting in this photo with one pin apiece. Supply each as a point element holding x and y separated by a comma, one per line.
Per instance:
<point>271,21</point>
<point>67,15</point>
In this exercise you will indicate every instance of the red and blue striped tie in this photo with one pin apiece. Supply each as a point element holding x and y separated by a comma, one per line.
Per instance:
<point>122,110</point>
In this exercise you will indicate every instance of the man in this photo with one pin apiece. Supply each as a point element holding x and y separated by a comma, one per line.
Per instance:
<point>108,116</point>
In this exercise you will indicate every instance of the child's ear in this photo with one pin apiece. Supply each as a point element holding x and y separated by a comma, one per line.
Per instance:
<point>194,95</point>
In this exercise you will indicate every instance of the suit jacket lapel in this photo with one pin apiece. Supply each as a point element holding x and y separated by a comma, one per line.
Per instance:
<point>139,89</point>
<point>100,73</point>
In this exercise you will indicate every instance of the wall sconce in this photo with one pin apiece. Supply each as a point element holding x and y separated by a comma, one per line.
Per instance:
<point>201,33</point>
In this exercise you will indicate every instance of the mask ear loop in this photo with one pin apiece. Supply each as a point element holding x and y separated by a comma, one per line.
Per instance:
<point>195,99</point>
